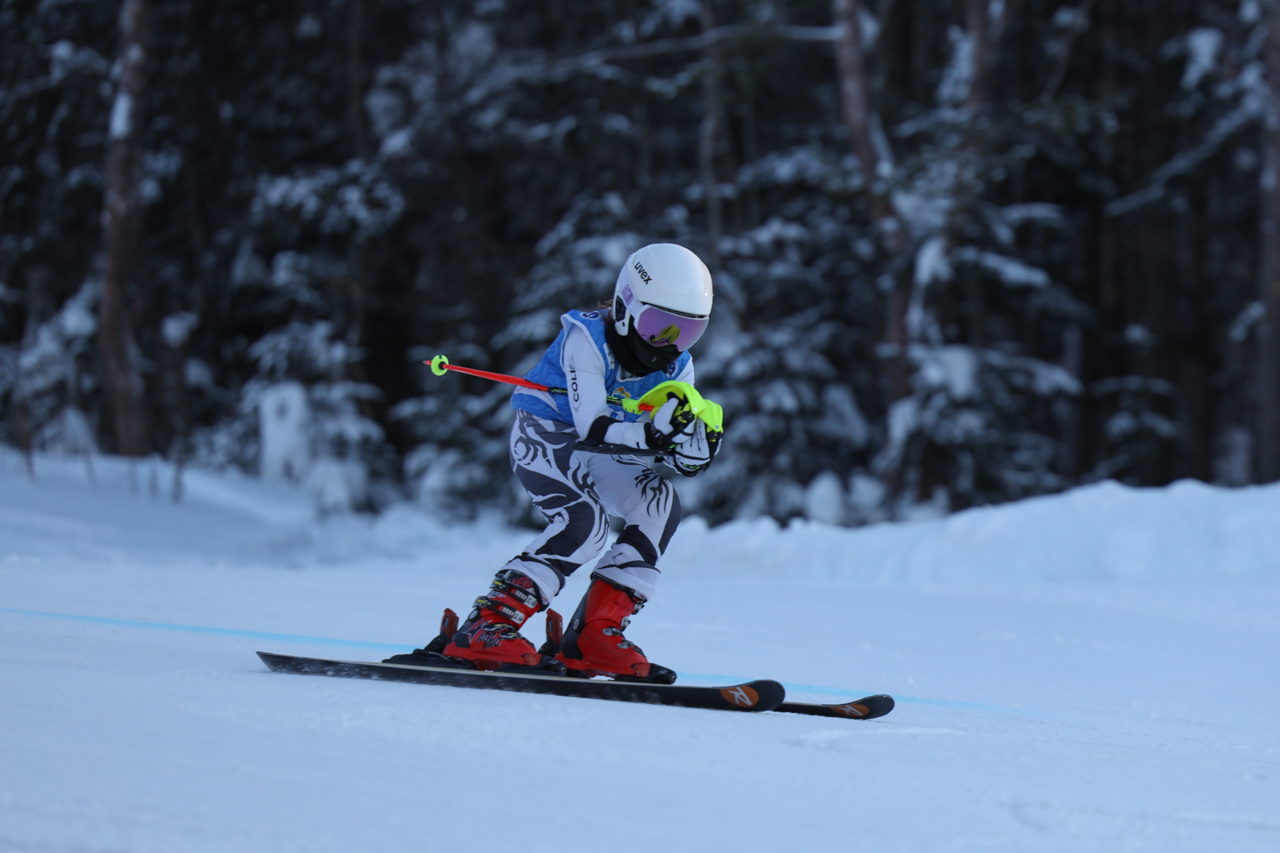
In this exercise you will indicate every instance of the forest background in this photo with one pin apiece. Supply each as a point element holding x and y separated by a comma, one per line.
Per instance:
<point>965,251</point>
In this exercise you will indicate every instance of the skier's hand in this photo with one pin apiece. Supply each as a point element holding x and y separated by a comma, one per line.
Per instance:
<point>673,424</point>
<point>697,453</point>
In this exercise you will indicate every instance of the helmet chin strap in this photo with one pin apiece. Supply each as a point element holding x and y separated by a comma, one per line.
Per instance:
<point>634,355</point>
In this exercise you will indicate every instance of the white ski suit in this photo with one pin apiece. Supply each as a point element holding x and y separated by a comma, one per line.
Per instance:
<point>577,490</point>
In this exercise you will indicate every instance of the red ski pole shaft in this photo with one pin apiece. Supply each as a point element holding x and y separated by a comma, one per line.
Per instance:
<point>440,365</point>
<point>496,377</point>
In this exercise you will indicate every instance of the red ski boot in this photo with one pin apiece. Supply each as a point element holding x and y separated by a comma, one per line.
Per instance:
<point>490,638</point>
<point>594,645</point>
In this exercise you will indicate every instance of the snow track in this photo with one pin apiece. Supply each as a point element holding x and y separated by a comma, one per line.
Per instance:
<point>1093,671</point>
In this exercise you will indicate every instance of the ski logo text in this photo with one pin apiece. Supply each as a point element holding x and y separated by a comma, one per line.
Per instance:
<point>644,274</point>
<point>741,696</point>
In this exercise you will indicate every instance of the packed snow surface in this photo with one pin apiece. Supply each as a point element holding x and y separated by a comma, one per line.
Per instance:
<point>1091,671</point>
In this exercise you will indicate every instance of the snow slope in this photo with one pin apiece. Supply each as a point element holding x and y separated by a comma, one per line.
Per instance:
<point>1090,671</point>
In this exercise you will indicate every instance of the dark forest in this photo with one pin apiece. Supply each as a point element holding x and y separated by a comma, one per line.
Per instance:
<point>965,251</point>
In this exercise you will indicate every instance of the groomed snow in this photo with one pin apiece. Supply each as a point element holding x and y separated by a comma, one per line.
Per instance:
<point>1090,671</point>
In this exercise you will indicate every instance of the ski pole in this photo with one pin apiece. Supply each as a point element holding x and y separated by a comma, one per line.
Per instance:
<point>707,411</point>
<point>440,365</point>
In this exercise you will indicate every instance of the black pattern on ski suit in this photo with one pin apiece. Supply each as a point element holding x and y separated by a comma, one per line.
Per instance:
<point>577,492</point>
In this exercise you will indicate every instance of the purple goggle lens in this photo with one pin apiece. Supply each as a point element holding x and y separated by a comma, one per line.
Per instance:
<point>658,327</point>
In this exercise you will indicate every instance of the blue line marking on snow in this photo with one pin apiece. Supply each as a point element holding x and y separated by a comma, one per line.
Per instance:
<point>363,644</point>
<point>201,629</point>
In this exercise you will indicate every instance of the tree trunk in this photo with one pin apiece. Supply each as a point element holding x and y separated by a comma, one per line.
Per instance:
<point>1268,437</point>
<point>358,252</point>
<point>750,209</point>
<point>121,362</point>
<point>987,21</point>
<point>709,133</point>
<point>1063,64</point>
<point>976,20</point>
<point>23,427</point>
<point>855,105</point>
<point>355,79</point>
<point>1197,349</point>
<point>861,124</point>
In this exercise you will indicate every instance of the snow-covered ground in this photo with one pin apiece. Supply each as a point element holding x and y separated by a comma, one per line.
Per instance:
<point>1098,670</point>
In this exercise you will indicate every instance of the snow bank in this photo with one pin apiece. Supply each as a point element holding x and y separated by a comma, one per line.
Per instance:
<point>1103,532</point>
<point>1106,532</point>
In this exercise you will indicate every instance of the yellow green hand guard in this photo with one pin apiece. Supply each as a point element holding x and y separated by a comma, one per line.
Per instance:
<point>695,456</point>
<point>690,401</point>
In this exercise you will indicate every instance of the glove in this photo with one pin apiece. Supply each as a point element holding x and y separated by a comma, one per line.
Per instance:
<point>673,424</point>
<point>696,453</point>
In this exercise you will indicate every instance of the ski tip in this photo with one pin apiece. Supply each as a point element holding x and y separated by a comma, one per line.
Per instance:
<point>866,708</point>
<point>272,661</point>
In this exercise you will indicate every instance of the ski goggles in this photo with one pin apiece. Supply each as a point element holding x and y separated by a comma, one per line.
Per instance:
<point>660,327</point>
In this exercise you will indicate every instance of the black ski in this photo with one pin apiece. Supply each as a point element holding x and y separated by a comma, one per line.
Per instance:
<point>752,696</point>
<point>866,708</point>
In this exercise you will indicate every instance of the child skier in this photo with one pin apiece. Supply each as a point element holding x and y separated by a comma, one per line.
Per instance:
<point>578,456</point>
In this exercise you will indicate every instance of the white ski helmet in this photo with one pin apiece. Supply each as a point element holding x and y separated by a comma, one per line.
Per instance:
<point>661,303</point>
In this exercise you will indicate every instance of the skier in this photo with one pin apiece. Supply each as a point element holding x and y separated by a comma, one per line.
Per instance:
<point>573,453</point>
